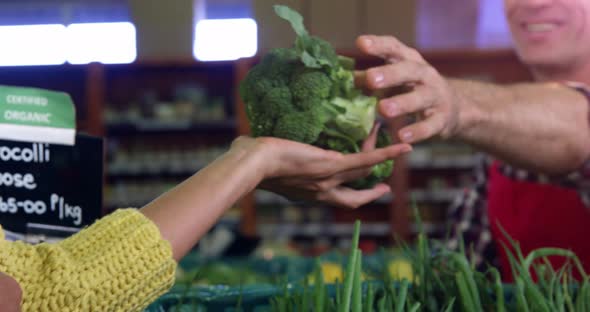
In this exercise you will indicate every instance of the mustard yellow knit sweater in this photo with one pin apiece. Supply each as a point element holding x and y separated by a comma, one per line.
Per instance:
<point>120,263</point>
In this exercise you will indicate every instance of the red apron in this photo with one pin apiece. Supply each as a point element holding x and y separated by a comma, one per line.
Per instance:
<point>537,215</point>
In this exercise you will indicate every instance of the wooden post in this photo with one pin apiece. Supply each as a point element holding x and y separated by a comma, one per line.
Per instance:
<point>247,204</point>
<point>95,92</point>
<point>399,208</point>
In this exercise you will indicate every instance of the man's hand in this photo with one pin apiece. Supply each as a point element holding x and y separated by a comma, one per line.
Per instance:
<point>432,97</point>
<point>10,294</point>
<point>502,120</point>
<point>304,172</point>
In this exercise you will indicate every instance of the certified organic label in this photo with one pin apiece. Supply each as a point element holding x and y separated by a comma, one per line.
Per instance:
<point>36,115</point>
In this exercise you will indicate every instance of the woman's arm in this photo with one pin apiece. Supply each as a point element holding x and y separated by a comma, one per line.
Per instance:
<point>125,260</point>
<point>185,213</point>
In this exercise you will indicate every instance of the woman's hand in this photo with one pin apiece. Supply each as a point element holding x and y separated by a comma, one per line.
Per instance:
<point>304,172</point>
<point>10,294</point>
<point>189,210</point>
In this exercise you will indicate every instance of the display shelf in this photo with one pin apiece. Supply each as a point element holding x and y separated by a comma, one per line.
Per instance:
<point>165,174</point>
<point>466,162</point>
<point>164,120</point>
<point>436,196</point>
<point>269,198</point>
<point>420,195</point>
<point>428,228</point>
<point>149,127</point>
<point>322,229</point>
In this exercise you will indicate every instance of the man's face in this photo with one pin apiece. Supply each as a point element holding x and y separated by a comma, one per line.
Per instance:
<point>550,33</point>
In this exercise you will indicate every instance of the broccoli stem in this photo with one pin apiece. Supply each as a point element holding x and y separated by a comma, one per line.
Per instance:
<point>337,134</point>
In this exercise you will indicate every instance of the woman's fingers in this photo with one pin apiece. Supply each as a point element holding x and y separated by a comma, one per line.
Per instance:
<point>371,141</point>
<point>345,197</point>
<point>368,158</point>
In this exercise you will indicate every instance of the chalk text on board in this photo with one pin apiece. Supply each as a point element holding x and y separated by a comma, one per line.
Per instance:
<point>66,210</point>
<point>11,205</point>
<point>18,180</point>
<point>57,204</point>
<point>37,153</point>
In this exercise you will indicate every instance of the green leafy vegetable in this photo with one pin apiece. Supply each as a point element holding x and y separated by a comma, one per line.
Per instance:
<point>306,93</point>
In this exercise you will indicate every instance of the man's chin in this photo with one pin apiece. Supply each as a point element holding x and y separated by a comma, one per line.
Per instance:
<point>540,58</point>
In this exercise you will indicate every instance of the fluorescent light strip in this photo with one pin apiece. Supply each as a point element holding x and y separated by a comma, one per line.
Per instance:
<point>225,39</point>
<point>108,43</point>
<point>32,45</point>
<point>54,44</point>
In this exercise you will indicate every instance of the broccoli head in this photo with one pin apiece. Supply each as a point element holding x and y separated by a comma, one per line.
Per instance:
<point>306,93</point>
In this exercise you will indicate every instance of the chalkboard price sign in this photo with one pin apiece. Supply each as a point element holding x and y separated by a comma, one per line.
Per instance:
<point>50,190</point>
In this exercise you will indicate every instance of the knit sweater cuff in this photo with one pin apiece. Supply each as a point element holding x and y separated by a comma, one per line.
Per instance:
<point>120,263</point>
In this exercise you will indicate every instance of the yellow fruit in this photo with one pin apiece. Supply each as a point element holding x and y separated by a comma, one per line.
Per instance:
<point>399,269</point>
<point>364,277</point>
<point>331,273</point>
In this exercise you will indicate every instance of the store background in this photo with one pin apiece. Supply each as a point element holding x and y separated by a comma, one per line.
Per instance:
<point>165,114</point>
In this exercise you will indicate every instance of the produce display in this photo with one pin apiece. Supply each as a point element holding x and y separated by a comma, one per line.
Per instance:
<point>221,274</point>
<point>436,279</point>
<point>446,281</point>
<point>306,93</point>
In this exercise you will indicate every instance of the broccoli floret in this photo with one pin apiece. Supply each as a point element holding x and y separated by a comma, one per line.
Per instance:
<point>260,124</point>
<point>279,65</point>
<point>309,84</point>
<point>255,85</point>
<point>275,102</point>
<point>310,88</point>
<point>306,93</point>
<point>299,126</point>
<point>345,87</point>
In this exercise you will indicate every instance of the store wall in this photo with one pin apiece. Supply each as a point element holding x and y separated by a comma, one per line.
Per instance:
<point>339,21</point>
<point>164,28</point>
<point>165,31</point>
<point>447,24</point>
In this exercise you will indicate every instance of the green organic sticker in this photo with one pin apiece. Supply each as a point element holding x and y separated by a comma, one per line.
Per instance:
<point>36,115</point>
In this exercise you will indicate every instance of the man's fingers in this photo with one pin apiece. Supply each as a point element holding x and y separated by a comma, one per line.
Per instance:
<point>388,48</point>
<point>422,130</point>
<point>393,75</point>
<point>406,103</point>
<point>351,199</point>
<point>360,79</point>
